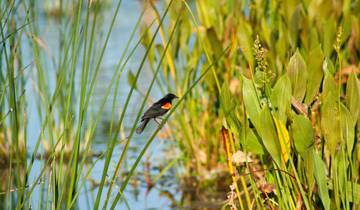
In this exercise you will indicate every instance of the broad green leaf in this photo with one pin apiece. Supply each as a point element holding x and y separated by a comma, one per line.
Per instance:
<point>298,76</point>
<point>295,26</point>
<point>346,7</point>
<point>328,66</point>
<point>281,97</point>
<point>315,62</point>
<point>329,86</point>
<point>340,165</point>
<point>314,39</point>
<point>356,27</point>
<point>330,122</point>
<point>281,45</point>
<point>309,168</point>
<point>267,132</point>
<point>302,133</point>
<point>215,44</point>
<point>251,102</point>
<point>346,28</point>
<point>347,128</point>
<point>330,116</point>
<point>289,8</point>
<point>284,139</point>
<point>228,106</point>
<point>246,42</point>
<point>265,31</point>
<point>329,35</point>
<point>252,143</point>
<point>320,177</point>
<point>353,96</point>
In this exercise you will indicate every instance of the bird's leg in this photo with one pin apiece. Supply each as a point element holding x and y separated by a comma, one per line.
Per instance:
<point>155,119</point>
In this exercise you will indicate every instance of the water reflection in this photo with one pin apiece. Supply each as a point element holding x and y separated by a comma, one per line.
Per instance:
<point>155,184</point>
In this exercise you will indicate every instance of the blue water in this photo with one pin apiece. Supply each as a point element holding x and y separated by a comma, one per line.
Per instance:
<point>127,17</point>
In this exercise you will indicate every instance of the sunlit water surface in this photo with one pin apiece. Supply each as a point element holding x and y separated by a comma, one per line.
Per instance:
<point>136,192</point>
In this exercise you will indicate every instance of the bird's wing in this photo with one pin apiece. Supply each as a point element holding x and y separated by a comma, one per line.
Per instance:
<point>154,111</point>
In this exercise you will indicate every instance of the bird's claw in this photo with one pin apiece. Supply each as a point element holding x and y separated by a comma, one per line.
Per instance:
<point>155,119</point>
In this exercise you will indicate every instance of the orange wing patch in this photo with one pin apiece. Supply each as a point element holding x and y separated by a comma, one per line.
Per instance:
<point>166,105</point>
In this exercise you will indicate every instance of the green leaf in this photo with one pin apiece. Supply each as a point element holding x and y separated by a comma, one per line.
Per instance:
<point>352,97</point>
<point>330,116</point>
<point>282,44</point>
<point>215,44</point>
<point>328,66</point>
<point>315,62</point>
<point>309,168</point>
<point>298,76</point>
<point>320,177</point>
<point>228,106</point>
<point>281,97</point>
<point>251,102</point>
<point>246,42</point>
<point>347,127</point>
<point>302,133</point>
<point>295,26</point>
<point>267,132</point>
<point>330,125</point>
<point>329,86</point>
<point>314,39</point>
<point>252,143</point>
<point>353,190</point>
<point>329,35</point>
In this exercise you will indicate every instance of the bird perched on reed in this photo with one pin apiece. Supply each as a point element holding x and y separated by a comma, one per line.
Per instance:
<point>158,109</point>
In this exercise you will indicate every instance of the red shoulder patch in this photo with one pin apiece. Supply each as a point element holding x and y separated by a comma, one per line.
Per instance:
<point>166,105</point>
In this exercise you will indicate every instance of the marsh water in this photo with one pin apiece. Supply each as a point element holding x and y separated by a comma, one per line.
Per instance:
<point>137,195</point>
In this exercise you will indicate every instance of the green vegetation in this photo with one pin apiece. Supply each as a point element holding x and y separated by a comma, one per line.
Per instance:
<point>268,116</point>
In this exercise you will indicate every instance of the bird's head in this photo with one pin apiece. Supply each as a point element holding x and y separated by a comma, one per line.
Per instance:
<point>170,97</point>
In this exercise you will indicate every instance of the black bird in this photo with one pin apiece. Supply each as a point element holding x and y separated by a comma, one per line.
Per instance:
<point>158,109</point>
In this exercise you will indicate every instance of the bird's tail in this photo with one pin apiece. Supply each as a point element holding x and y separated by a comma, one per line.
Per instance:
<point>142,126</point>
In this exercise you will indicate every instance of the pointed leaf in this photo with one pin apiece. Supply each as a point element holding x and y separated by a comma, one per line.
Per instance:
<point>353,96</point>
<point>328,66</point>
<point>302,133</point>
<point>330,116</point>
<point>320,177</point>
<point>281,97</point>
<point>347,127</point>
<point>329,86</point>
<point>295,26</point>
<point>252,144</point>
<point>298,75</point>
<point>251,102</point>
<point>246,41</point>
<point>309,168</point>
<point>228,106</point>
<point>267,132</point>
<point>329,35</point>
<point>330,124</point>
<point>315,62</point>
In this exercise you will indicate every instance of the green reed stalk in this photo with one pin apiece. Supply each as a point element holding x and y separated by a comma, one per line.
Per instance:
<point>141,154</point>
<point>111,144</point>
